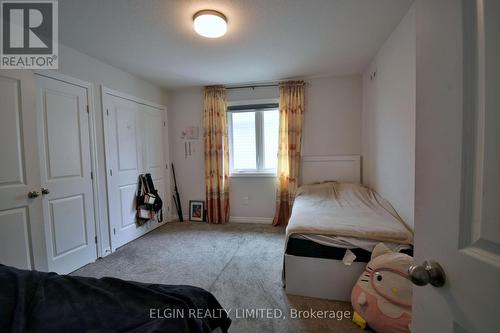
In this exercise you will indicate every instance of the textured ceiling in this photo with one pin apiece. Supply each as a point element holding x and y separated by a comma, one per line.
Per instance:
<point>267,39</point>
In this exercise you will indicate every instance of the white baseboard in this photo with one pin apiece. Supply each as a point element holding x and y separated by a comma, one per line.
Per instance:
<point>235,219</point>
<point>244,219</point>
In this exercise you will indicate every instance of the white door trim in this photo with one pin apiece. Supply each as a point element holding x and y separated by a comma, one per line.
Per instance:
<point>166,202</point>
<point>93,146</point>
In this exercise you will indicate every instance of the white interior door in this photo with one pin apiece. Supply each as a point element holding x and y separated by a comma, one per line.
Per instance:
<point>21,228</point>
<point>65,168</point>
<point>134,145</point>
<point>457,206</point>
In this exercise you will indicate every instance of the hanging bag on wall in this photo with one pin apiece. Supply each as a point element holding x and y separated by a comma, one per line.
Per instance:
<point>154,198</point>
<point>148,202</point>
<point>143,213</point>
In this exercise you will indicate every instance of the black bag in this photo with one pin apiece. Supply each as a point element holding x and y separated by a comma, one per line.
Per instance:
<point>148,202</point>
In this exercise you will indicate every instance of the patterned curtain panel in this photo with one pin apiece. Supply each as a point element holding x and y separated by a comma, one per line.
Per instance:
<point>216,154</point>
<point>290,135</point>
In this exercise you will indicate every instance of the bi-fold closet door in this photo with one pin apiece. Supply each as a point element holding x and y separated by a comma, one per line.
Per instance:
<point>46,190</point>
<point>135,141</point>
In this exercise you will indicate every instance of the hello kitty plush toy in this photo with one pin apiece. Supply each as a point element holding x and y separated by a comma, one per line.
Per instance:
<point>381,297</point>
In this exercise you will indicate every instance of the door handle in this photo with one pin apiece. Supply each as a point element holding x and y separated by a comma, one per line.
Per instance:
<point>33,194</point>
<point>429,272</point>
<point>45,190</point>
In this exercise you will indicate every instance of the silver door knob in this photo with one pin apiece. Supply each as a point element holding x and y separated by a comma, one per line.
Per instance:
<point>33,194</point>
<point>45,191</point>
<point>429,272</point>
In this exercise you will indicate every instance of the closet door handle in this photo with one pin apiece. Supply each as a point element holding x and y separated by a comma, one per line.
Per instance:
<point>45,191</point>
<point>33,194</point>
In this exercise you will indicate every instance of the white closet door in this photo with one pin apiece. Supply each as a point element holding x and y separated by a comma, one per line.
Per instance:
<point>154,161</point>
<point>21,231</point>
<point>134,145</point>
<point>65,160</point>
<point>124,163</point>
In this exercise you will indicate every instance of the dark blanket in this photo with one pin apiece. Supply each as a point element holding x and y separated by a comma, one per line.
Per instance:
<point>33,301</point>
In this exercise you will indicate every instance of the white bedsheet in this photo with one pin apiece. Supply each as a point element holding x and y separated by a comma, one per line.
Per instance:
<point>346,210</point>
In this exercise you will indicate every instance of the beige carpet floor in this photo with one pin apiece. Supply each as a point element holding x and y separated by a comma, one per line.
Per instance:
<point>239,263</point>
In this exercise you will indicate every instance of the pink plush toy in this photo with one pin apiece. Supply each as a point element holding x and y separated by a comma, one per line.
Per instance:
<point>382,296</point>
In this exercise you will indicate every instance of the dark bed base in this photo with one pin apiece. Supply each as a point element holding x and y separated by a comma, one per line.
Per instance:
<point>307,248</point>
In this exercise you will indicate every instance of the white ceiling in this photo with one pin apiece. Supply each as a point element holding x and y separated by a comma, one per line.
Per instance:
<point>267,39</point>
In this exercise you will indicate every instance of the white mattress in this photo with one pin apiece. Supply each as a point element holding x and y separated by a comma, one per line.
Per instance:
<point>350,214</point>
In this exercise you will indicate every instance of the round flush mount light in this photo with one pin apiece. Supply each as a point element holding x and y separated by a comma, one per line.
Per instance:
<point>210,23</point>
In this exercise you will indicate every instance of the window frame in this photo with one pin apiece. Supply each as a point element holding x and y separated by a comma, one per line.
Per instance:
<point>259,144</point>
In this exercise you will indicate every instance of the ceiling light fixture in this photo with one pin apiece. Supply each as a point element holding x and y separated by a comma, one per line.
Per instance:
<point>210,23</point>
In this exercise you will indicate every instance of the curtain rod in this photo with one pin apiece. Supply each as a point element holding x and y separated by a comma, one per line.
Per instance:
<point>253,86</point>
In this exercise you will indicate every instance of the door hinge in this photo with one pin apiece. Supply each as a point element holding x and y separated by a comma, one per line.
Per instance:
<point>95,238</point>
<point>88,110</point>
<point>107,112</point>
<point>114,231</point>
<point>110,172</point>
<point>166,166</point>
<point>164,124</point>
<point>91,175</point>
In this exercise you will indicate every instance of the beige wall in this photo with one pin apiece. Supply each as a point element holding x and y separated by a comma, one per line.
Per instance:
<point>186,109</point>
<point>389,119</point>
<point>332,120</point>
<point>332,125</point>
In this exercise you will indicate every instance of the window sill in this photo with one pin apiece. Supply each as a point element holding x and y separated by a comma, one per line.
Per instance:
<point>253,175</point>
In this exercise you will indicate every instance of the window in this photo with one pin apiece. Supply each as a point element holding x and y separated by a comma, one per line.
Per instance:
<point>253,138</point>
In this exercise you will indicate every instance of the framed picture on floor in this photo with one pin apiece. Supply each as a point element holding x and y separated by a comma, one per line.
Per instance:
<point>196,210</point>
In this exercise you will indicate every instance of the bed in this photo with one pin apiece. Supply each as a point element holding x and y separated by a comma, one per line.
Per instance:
<point>333,228</point>
<point>34,301</point>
